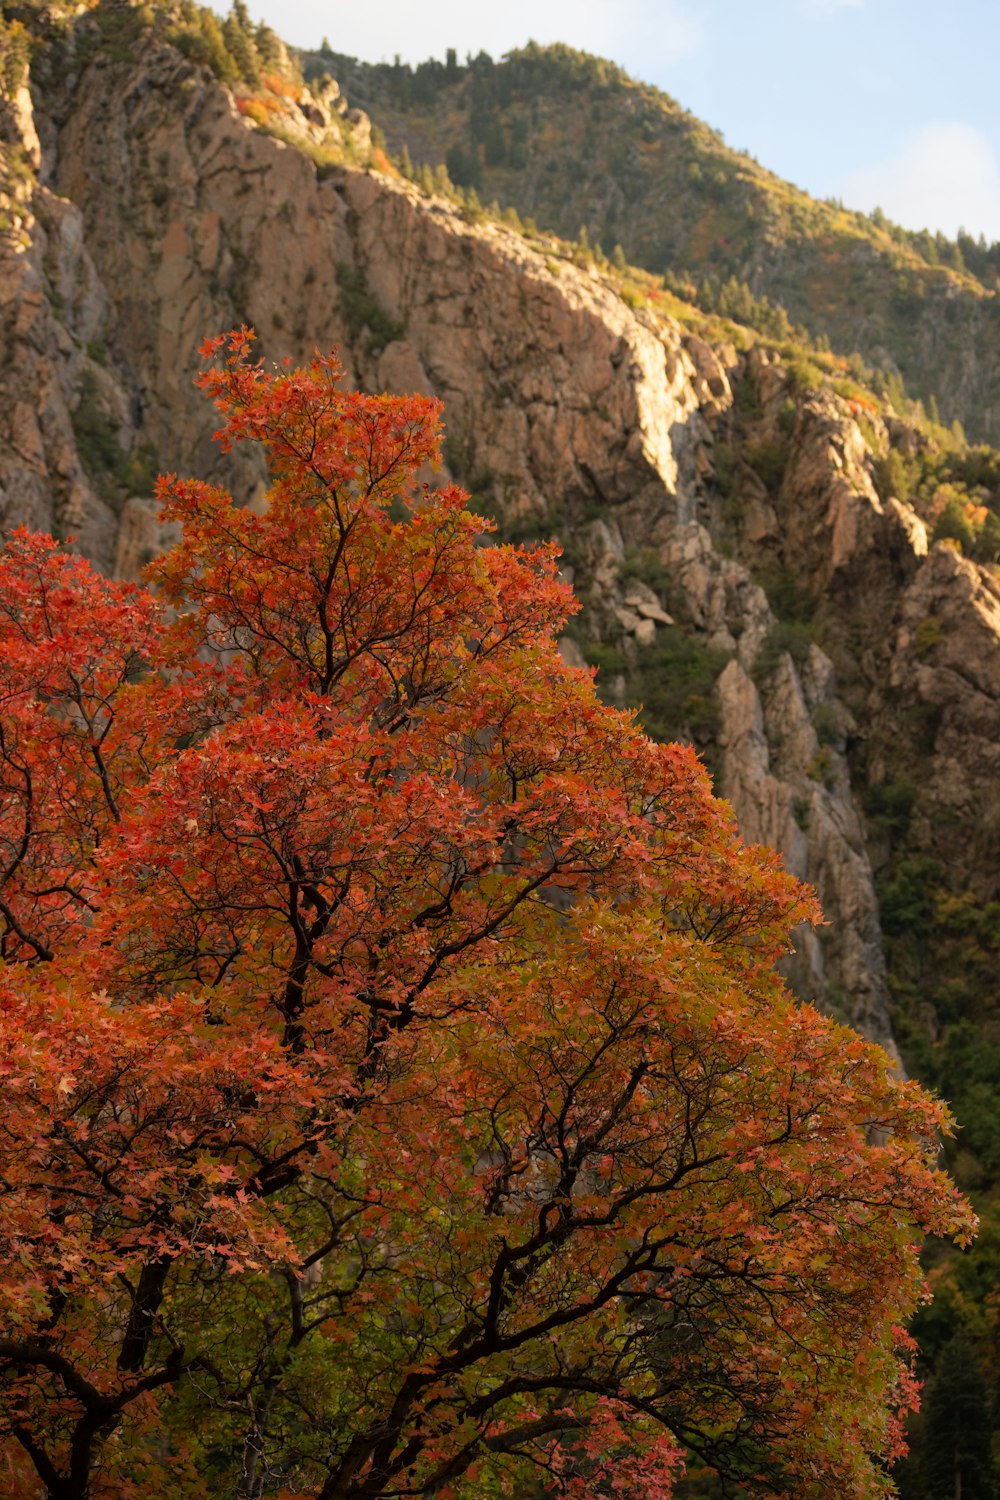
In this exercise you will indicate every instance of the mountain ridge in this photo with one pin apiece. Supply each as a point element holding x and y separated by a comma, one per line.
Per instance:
<point>572,141</point>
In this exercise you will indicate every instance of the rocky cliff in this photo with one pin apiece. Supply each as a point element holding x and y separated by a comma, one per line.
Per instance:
<point>693,487</point>
<point>574,143</point>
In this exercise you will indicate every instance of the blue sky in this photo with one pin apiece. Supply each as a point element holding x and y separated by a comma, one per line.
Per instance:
<point>889,102</point>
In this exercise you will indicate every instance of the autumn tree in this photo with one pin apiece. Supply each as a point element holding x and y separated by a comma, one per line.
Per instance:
<point>398,1095</point>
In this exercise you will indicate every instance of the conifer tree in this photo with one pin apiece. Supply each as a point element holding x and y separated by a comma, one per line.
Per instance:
<point>238,35</point>
<point>957,1447</point>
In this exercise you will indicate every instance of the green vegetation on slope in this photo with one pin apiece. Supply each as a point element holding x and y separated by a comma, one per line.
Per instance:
<point>569,140</point>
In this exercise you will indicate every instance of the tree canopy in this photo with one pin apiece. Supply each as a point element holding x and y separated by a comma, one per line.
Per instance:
<point>399,1098</point>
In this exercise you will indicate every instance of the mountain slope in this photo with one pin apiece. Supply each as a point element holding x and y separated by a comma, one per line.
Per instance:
<point>571,141</point>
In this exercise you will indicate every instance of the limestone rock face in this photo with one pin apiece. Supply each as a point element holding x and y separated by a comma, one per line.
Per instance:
<point>161,215</point>
<point>791,796</point>
<point>44,265</point>
<point>944,664</point>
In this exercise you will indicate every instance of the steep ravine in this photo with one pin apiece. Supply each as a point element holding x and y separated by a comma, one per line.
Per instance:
<point>160,216</point>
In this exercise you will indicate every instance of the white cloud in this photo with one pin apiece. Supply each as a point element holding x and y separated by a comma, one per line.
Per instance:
<point>633,32</point>
<point>944,176</point>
